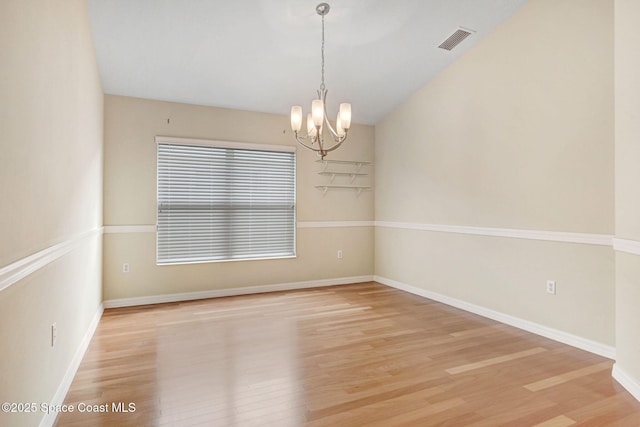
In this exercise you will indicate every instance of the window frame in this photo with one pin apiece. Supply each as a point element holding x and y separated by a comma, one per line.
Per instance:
<point>160,140</point>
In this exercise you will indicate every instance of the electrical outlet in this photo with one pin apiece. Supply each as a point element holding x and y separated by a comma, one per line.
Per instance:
<point>551,287</point>
<point>340,254</point>
<point>125,267</point>
<point>54,334</point>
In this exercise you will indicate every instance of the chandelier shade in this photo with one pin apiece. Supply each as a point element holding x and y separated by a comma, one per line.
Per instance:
<point>318,124</point>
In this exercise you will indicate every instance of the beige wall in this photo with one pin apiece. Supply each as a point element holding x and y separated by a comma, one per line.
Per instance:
<point>517,134</point>
<point>627,143</point>
<point>130,199</point>
<point>51,190</point>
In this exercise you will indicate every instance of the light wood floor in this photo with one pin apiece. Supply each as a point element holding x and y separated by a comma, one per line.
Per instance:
<point>354,355</point>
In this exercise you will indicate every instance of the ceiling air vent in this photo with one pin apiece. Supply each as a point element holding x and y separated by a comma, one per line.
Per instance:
<point>455,39</point>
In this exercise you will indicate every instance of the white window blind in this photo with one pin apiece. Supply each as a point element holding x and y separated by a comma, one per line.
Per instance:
<point>222,201</point>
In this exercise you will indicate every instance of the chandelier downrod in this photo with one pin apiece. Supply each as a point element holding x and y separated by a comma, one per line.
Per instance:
<point>317,120</point>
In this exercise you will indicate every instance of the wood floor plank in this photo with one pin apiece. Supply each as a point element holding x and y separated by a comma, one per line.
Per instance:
<point>559,421</point>
<point>562,378</point>
<point>495,360</point>
<point>352,355</point>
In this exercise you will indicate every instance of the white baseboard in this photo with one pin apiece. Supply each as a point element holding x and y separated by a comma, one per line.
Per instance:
<point>554,334</point>
<point>626,381</point>
<point>216,293</point>
<point>58,399</point>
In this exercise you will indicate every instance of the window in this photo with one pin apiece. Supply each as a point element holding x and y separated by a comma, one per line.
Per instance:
<point>224,201</point>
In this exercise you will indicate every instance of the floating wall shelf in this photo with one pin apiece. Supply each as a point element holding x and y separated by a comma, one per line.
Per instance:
<point>358,165</point>
<point>351,174</point>
<point>326,188</point>
<point>344,168</point>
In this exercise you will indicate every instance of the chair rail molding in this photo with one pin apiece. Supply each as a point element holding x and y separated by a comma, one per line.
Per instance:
<point>20,269</point>
<point>553,236</point>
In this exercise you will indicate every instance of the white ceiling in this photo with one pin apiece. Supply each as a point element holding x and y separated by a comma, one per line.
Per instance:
<point>264,55</point>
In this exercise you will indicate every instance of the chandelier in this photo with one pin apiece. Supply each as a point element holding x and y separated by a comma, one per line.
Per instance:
<point>317,122</point>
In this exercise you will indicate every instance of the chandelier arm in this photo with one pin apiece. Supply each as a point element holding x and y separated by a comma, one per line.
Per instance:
<point>308,137</point>
<point>304,138</point>
<point>322,94</point>
<point>301,142</point>
<point>337,144</point>
<point>334,134</point>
